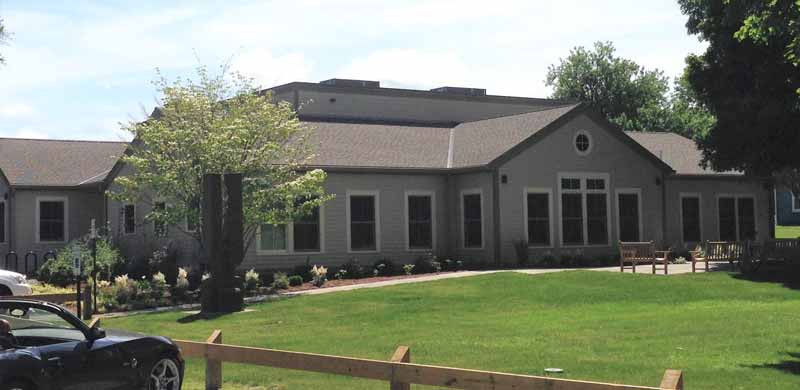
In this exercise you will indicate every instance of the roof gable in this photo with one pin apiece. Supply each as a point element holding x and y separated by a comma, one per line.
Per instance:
<point>57,163</point>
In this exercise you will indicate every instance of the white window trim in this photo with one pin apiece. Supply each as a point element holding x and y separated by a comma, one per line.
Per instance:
<point>432,195</point>
<point>699,197</point>
<point>629,191</point>
<point>5,222</point>
<point>538,190</point>
<point>591,142</point>
<point>377,195</point>
<point>290,239</point>
<point>64,199</point>
<point>124,217</point>
<point>794,209</point>
<point>583,191</point>
<point>736,198</point>
<point>471,191</point>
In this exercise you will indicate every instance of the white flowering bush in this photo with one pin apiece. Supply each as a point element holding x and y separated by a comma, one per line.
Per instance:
<point>124,289</point>
<point>251,280</point>
<point>181,286</point>
<point>319,275</point>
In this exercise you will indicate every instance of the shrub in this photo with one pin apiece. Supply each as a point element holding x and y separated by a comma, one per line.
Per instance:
<point>303,271</point>
<point>385,267</point>
<point>354,270</point>
<point>58,271</point>
<point>340,274</point>
<point>408,269</point>
<point>319,275</point>
<point>680,260</point>
<point>158,286</point>
<point>124,289</point>
<point>280,281</point>
<point>181,286</point>
<point>295,280</point>
<point>427,264</point>
<point>165,261</point>
<point>251,280</point>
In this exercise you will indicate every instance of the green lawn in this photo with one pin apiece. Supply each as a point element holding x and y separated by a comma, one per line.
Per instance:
<point>725,333</point>
<point>787,231</point>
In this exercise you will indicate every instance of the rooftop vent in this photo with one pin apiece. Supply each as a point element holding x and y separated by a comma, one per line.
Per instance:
<point>461,91</point>
<point>352,83</point>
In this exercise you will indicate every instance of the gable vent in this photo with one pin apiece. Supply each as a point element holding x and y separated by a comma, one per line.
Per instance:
<point>351,83</point>
<point>461,91</point>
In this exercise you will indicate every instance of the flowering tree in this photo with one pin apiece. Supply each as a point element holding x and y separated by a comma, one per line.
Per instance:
<point>220,124</point>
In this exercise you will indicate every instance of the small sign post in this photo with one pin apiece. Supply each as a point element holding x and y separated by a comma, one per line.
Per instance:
<point>76,270</point>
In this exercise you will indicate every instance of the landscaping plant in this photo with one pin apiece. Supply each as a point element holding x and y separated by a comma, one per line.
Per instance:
<point>295,280</point>
<point>280,281</point>
<point>319,275</point>
<point>251,280</point>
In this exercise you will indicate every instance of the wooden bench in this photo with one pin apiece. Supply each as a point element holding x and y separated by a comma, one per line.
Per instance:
<point>730,251</point>
<point>635,253</point>
<point>786,249</point>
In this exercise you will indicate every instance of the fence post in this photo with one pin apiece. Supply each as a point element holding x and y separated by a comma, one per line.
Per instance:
<point>401,355</point>
<point>213,366</point>
<point>673,380</point>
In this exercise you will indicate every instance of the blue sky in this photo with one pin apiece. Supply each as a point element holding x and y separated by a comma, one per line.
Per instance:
<point>76,69</point>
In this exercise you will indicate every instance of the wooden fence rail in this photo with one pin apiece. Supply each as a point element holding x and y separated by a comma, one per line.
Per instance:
<point>398,371</point>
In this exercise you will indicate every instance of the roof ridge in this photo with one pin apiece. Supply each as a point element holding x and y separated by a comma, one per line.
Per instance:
<point>63,140</point>
<point>573,105</point>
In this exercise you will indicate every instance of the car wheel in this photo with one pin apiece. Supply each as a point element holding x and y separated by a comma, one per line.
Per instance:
<point>164,375</point>
<point>17,385</point>
<point>5,291</point>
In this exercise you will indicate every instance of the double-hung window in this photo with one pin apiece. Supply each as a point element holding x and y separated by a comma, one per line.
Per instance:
<point>129,218</point>
<point>420,216</point>
<point>537,212</point>
<point>51,221</point>
<point>691,222</point>
<point>584,209</point>
<point>628,214</point>
<point>363,221</point>
<point>303,235</point>
<point>159,227</point>
<point>472,219</point>
<point>736,217</point>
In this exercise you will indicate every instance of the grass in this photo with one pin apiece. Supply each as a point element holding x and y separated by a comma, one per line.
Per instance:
<point>724,332</point>
<point>787,231</point>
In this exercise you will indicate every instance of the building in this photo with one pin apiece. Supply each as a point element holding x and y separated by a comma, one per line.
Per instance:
<point>787,207</point>
<point>464,174</point>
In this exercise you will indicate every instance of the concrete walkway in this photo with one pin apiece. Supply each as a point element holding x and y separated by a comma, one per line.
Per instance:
<point>674,269</point>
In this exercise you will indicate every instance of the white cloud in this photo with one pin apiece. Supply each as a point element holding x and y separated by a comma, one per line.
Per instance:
<point>268,70</point>
<point>26,133</point>
<point>16,110</point>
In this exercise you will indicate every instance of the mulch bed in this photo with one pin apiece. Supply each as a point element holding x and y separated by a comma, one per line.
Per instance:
<point>350,282</point>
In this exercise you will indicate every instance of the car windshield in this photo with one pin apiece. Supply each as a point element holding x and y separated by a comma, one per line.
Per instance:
<point>33,318</point>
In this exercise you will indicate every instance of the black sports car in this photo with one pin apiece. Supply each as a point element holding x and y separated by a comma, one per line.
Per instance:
<point>49,348</point>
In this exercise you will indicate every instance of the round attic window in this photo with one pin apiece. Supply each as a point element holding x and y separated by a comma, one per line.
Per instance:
<point>583,142</point>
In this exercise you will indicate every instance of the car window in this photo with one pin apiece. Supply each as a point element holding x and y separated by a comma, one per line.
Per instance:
<point>32,317</point>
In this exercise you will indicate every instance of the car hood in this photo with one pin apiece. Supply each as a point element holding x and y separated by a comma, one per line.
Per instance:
<point>122,335</point>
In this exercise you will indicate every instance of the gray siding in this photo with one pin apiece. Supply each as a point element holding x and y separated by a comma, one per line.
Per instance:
<point>466,182</point>
<point>391,190</point>
<point>82,207</point>
<point>709,190</point>
<point>539,165</point>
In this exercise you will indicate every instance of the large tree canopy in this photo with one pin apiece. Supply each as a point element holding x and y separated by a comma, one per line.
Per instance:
<point>221,124</point>
<point>626,93</point>
<point>747,80</point>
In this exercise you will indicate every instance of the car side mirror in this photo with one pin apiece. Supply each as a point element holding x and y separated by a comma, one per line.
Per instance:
<point>96,333</point>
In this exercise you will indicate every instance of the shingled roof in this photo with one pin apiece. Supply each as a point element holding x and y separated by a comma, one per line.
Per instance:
<point>677,151</point>
<point>57,163</point>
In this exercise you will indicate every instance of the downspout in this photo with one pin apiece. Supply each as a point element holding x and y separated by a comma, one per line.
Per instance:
<point>664,209</point>
<point>496,213</point>
<point>11,221</point>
